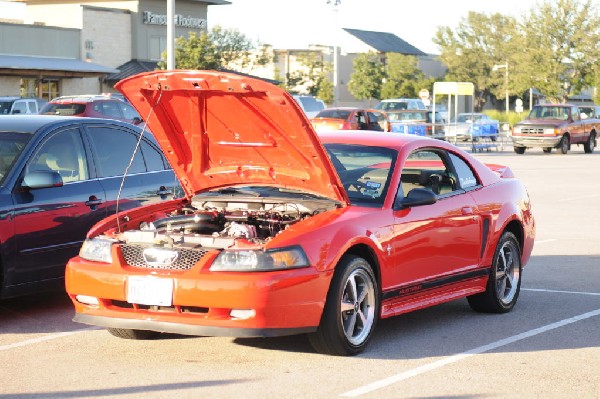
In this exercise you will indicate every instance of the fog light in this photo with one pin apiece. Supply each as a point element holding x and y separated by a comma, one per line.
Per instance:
<point>242,313</point>
<point>87,300</point>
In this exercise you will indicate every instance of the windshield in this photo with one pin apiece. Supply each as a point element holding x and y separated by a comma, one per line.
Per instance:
<point>549,112</point>
<point>11,146</point>
<point>365,171</point>
<point>63,109</point>
<point>392,105</point>
<point>5,107</point>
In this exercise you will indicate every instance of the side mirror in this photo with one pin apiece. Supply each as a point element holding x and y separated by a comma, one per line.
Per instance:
<point>416,197</point>
<point>41,179</point>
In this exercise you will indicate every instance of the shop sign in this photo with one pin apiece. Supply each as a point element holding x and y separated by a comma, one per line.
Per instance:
<point>150,18</point>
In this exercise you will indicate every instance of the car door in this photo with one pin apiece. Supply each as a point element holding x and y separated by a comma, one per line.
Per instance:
<point>437,241</point>
<point>51,222</point>
<point>149,178</point>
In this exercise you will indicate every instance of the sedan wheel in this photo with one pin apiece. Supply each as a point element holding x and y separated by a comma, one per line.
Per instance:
<point>351,310</point>
<point>132,334</point>
<point>504,284</point>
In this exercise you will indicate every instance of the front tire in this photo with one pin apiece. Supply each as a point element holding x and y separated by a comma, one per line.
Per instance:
<point>564,144</point>
<point>132,334</point>
<point>351,310</point>
<point>547,150</point>
<point>519,150</point>
<point>504,284</point>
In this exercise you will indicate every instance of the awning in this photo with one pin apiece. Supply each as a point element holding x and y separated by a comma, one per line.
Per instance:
<point>33,66</point>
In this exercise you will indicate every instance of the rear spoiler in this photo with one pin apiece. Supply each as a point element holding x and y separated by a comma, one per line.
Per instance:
<point>501,170</point>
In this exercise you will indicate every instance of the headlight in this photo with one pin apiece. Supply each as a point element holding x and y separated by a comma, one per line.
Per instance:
<point>252,260</point>
<point>517,130</point>
<point>550,130</point>
<point>97,249</point>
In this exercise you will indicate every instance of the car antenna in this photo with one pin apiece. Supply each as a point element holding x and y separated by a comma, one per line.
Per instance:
<point>135,150</point>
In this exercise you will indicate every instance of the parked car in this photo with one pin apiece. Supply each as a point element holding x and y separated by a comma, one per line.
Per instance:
<point>58,177</point>
<point>418,122</point>
<point>283,232</point>
<point>351,118</point>
<point>95,106</point>
<point>15,105</point>
<point>473,126</point>
<point>309,104</point>
<point>396,104</point>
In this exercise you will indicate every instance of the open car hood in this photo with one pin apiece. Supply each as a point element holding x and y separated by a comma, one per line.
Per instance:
<point>221,129</point>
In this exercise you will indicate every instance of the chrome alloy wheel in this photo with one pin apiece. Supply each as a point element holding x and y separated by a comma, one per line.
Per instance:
<point>358,306</point>
<point>508,272</point>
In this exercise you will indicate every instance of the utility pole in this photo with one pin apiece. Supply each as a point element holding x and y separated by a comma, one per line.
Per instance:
<point>170,34</point>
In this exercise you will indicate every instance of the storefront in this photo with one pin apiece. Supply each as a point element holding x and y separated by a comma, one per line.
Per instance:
<point>64,48</point>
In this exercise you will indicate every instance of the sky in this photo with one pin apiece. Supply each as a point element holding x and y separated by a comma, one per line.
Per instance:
<point>296,24</point>
<point>287,24</point>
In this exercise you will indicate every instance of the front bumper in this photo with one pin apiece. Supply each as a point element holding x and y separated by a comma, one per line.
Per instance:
<point>536,141</point>
<point>282,302</point>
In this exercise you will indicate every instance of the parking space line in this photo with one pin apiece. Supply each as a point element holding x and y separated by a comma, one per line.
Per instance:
<point>545,241</point>
<point>461,356</point>
<point>562,292</point>
<point>44,338</point>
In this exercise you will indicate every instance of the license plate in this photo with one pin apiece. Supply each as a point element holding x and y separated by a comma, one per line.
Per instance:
<point>150,290</point>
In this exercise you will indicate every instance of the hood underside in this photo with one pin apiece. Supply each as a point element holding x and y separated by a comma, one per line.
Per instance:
<point>222,129</point>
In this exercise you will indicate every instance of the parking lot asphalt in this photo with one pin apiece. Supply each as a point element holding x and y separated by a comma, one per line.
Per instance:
<point>547,347</point>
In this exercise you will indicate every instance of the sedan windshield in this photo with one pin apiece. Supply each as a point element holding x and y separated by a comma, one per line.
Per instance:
<point>365,171</point>
<point>11,146</point>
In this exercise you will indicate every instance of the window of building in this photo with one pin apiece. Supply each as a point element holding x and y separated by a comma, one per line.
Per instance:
<point>158,45</point>
<point>50,89</point>
<point>28,87</point>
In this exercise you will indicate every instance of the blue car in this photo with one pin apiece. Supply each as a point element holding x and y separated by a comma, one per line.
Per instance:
<point>60,175</point>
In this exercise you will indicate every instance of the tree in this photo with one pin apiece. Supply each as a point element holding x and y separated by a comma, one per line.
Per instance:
<point>367,78</point>
<point>562,39</point>
<point>472,49</point>
<point>312,77</point>
<point>403,78</point>
<point>218,49</point>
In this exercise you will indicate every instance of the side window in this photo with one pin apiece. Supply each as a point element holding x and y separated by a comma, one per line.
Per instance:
<point>114,149</point>
<point>108,108</point>
<point>426,169</point>
<point>153,157</point>
<point>466,177</point>
<point>20,107</point>
<point>63,153</point>
<point>128,111</point>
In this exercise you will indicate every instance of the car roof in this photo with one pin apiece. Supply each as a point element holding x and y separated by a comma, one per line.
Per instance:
<point>31,123</point>
<point>85,98</point>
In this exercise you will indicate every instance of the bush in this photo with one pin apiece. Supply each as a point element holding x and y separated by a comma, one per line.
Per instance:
<point>511,118</point>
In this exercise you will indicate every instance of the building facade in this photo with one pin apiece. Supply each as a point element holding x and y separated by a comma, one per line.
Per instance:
<point>66,47</point>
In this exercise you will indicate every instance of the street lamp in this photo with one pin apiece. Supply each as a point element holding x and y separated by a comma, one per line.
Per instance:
<point>336,89</point>
<point>505,66</point>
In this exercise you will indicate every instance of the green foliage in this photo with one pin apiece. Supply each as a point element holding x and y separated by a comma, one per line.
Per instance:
<point>218,49</point>
<point>552,48</point>
<point>366,80</point>
<point>402,76</point>
<point>312,78</point>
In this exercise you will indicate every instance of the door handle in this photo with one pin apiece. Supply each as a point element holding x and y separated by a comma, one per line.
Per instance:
<point>467,210</point>
<point>93,202</point>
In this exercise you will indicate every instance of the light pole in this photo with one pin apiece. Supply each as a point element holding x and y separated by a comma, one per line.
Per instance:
<point>170,34</point>
<point>336,88</point>
<point>505,66</point>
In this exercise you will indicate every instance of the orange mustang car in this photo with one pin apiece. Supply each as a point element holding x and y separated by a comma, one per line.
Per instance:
<point>285,232</point>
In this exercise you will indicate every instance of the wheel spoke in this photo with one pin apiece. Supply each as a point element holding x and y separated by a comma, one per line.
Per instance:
<point>350,324</point>
<point>347,306</point>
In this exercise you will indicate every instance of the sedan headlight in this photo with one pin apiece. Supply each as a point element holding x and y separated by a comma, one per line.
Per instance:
<point>243,260</point>
<point>97,249</point>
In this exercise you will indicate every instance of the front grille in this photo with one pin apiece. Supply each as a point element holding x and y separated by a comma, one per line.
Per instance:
<point>532,130</point>
<point>186,258</point>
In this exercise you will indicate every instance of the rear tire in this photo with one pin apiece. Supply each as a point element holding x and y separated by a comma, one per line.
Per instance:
<point>504,284</point>
<point>589,145</point>
<point>519,150</point>
<point>547,150</point>
<point>133,334</point>
<point>351,311</point>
